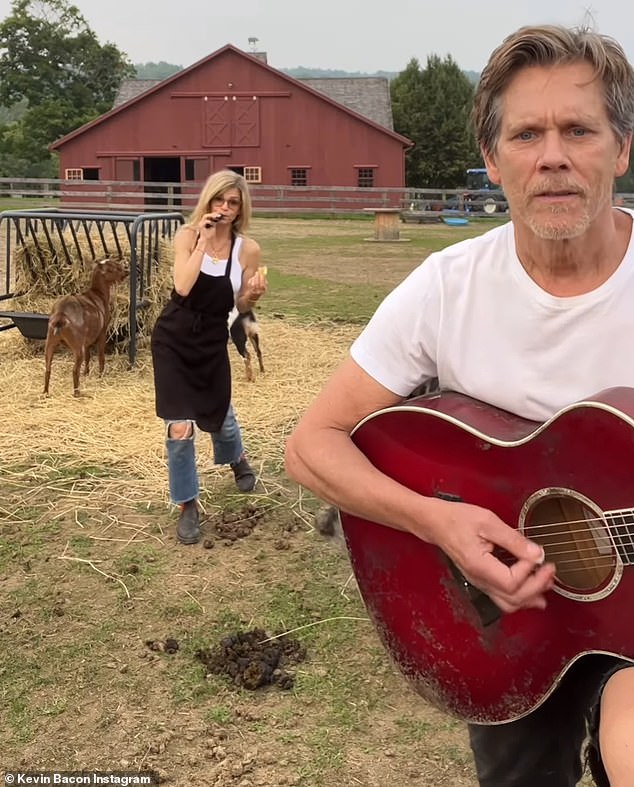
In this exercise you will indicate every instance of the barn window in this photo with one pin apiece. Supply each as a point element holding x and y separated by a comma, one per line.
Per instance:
<point>365,177</point>
<point>76,173</point>
<point>253,174</point>
<point>91,173</point>
<point>299,176</point>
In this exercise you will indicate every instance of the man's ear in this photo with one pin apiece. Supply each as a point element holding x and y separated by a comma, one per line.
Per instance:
<point>623,159</point>
<point>492,170</point>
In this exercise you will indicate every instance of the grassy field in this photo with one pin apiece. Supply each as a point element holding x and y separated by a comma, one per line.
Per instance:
<point>105,618</point>
<point>36,203</point>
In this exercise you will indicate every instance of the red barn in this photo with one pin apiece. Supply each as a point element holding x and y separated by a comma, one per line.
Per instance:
<point>232,110</point>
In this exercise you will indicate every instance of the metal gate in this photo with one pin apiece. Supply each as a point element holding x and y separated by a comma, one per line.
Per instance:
<point>85,235</point>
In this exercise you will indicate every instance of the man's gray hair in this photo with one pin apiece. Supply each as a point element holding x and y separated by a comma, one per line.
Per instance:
<point>549,45</point>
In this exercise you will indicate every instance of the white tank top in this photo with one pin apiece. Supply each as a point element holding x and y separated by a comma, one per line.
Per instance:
<point>211,268</point>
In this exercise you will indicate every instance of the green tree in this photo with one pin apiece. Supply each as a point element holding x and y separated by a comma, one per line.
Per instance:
<point>432,107</point>
<point>12,113</point>
<point>52,62</point>
<point>406,93</point>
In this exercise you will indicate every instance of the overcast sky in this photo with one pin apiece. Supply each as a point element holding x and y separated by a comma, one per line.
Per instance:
<point>353,35</point>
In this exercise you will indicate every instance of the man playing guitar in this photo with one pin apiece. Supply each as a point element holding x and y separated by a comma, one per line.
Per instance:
<point>530,318</point>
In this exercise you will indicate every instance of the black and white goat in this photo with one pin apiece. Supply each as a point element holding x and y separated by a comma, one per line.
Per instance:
<point>243,327</point>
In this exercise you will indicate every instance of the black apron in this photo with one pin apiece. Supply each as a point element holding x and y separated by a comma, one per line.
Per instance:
<point>192,373</point>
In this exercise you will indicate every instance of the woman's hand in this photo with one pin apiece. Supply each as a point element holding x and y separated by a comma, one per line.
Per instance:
<point>255,286</point>
<point>207,224</point>
<point>253,276</point>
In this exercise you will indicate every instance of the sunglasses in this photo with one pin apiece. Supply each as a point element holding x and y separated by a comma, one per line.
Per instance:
<point>232,203</point>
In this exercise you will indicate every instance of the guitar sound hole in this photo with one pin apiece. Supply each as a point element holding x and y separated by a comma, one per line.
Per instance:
<point>574,537</point>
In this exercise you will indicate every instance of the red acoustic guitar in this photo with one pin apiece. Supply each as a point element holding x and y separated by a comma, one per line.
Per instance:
<point>567,484</point>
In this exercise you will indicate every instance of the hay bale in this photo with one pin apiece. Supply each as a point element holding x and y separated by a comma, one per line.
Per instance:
<point>47,268</point>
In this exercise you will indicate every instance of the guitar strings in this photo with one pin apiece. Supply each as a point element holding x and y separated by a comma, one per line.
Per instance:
<point>625,539</point>
<point>585,551</point>
<point>588,557</point>
<point>603,520</point>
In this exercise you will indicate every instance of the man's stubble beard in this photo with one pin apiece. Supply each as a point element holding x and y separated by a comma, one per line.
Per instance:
<point>547,223</point>
<point>548,228</point>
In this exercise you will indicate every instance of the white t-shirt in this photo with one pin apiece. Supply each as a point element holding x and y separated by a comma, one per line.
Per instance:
<point>471,316</point>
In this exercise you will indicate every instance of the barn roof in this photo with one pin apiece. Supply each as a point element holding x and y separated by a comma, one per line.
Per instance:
<point>375,108</point>
<point>131,88</point>
<point>368,96</point>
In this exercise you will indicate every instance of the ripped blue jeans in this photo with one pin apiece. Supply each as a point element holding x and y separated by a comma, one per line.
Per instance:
<point>181,455</point>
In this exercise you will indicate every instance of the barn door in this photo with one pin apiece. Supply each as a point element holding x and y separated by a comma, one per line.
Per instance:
<point>217,123</point>
<point>231,122</point>
<point>196,169</point>
<point>127,169</point>
<point>246,123</point>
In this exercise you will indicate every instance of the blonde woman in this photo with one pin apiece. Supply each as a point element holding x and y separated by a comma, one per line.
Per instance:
<point>216,266</point>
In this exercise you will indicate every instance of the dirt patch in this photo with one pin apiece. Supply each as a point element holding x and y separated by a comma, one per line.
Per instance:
<point>253,659</point>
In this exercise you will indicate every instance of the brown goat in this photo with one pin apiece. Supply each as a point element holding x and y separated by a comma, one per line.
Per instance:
<point>79,321</point>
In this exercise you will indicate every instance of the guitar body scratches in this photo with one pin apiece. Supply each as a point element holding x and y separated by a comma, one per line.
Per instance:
<point>566,484</point>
